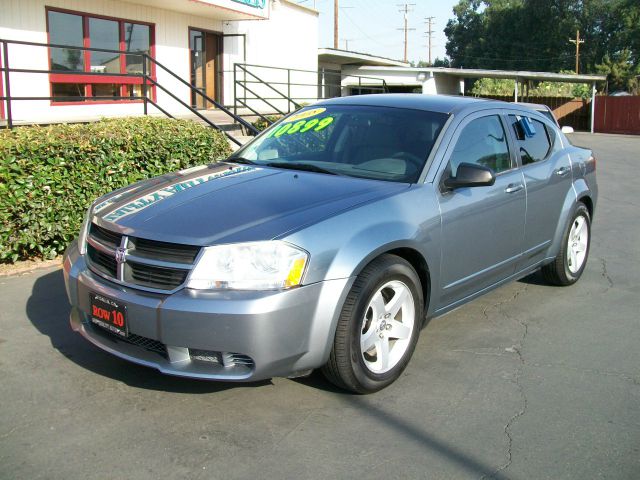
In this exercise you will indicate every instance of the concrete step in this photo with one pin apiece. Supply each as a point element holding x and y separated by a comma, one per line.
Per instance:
<point>242,139</point>
<point>225,122</point>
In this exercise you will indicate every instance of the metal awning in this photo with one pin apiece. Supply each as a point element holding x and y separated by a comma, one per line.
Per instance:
<point>518,76</point>
<point>521,75</point>
<point>346,57</point>
<point>214,9</point>
<point>515,75</point>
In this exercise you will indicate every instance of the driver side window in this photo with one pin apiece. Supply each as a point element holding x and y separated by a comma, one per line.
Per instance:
<point>482,142</point>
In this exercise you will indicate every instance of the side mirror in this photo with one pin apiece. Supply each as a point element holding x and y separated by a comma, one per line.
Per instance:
<point>471,175</point>
<point>567,129</point>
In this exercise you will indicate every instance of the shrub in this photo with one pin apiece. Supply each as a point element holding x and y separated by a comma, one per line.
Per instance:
<point>50,175</point>
<point>261,123</point>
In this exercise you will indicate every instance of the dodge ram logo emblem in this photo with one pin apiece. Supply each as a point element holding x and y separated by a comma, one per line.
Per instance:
<point>121,254</point>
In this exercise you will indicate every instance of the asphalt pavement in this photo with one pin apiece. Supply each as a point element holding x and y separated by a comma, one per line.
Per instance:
<point>527,382</point>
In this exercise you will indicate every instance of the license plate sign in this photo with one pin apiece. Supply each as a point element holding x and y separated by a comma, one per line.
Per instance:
<point>109,314</point>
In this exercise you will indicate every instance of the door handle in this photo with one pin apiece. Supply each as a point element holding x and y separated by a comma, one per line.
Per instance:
<point>563,171</point>
<point>513,188</point>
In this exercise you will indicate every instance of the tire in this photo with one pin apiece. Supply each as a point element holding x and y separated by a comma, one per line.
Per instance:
<point>568,266</point>
<point>368,321</point>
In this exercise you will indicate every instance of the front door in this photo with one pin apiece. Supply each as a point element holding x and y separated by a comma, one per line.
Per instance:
<point>205,52</point>
<point>482,227</point>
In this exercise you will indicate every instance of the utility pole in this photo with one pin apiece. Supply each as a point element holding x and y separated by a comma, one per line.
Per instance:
<point>346,43</point>
<point>405,10</point>
<point>577,41</point>
<point>429,33</point>
<point>336,8</point>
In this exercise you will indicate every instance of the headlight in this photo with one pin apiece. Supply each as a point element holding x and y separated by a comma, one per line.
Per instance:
<point>267,265</point>
<point>84,231</point>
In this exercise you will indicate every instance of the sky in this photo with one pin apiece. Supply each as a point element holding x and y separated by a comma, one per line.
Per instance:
<point>371,26</point>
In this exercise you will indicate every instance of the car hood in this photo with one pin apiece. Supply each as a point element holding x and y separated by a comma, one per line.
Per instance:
<point>226,202</point>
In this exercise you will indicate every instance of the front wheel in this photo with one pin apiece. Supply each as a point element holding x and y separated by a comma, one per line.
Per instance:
<point>568,266</point>
<point>378,327</point>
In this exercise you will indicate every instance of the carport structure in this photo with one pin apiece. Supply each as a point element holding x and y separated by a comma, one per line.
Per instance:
<point>451,81</point>
<point>520,77</point>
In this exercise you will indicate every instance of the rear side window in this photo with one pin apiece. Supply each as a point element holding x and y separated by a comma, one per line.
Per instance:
<point>482,142</point>
<point>534,148</point>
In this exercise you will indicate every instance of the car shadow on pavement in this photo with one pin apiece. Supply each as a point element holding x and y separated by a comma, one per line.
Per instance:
<point>369,406</point>
<point>535,278</point>
<point>48,310</point>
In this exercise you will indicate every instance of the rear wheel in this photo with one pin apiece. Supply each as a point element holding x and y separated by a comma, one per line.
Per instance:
<point>568,266</point>
<point>378,327</point>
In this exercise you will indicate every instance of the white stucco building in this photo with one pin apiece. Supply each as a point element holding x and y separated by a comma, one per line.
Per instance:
<point>197,40</point>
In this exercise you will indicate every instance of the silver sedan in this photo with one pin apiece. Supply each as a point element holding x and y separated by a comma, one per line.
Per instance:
<point>329,239</point>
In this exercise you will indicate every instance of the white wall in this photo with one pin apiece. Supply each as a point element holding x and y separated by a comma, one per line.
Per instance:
<point>433,82</point>
<point>287,39</point>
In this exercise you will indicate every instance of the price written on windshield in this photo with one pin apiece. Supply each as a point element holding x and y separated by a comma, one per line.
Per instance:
<point>301,126</point>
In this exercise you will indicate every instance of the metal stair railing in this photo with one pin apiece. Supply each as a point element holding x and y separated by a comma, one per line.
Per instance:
<point>241,100</point>
<point>145,78</point>
<point>219,106</point>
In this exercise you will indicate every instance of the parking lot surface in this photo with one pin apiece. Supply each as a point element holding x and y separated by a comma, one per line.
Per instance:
<point>527,382</point>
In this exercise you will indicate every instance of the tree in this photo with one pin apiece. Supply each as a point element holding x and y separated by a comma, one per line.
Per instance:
<point>534,34</point>
<point>620,71</point>
<point>441,62</point>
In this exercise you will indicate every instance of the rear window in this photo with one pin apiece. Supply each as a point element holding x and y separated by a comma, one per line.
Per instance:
<point>371,142</point>
<point>533,148</point>
<point>548,114</point>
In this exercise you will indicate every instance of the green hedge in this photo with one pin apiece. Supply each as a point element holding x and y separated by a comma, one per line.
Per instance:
<point>261,123</point>
<point>50,175</point>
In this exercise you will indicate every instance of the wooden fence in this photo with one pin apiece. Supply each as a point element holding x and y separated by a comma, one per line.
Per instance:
<point>572,112</point>
<point>617,115</point>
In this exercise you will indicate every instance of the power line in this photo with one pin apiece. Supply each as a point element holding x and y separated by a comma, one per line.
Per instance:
<point>577,41</point>
<point>366,35</point>
<point>336,8</point>
<point>429,34</point>
<point>505,60</point>
<point>405,9</point>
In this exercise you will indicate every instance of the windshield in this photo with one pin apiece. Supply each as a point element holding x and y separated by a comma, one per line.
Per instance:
<point>380,143</point>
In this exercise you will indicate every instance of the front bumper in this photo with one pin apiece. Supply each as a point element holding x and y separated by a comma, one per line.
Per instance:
<point>259,335</point>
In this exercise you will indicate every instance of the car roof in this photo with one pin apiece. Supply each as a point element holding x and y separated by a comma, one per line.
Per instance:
<point>417,101</point>
<point>535,106</point>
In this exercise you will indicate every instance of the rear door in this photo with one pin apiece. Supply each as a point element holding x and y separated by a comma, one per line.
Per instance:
<point>482,227</point>
<point>548,180</point>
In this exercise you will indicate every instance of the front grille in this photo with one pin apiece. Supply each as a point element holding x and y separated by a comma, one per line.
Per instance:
<point>133,339</point>
<point>146,264</point>
<point>106,264</point>
<point>154,277</point>
<point>170,252</point>
<point>106,237</point>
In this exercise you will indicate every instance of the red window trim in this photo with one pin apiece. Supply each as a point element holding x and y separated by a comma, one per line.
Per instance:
<point>78,77</point>
<point>2,89</point>
<point>106,78</point>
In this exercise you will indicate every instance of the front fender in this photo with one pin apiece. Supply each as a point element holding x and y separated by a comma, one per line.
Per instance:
<point>344,244</point>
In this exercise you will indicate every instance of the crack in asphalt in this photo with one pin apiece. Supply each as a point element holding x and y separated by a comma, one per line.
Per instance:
<point>605,274</point>
<point>7,434</point>
<point>517,349</point>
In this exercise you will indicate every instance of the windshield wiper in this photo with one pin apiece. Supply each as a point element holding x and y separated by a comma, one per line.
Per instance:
<point>241,160</point>
<point>306,167</point>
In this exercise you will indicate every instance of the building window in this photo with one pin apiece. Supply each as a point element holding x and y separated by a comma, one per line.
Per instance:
<point>119,77</point>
